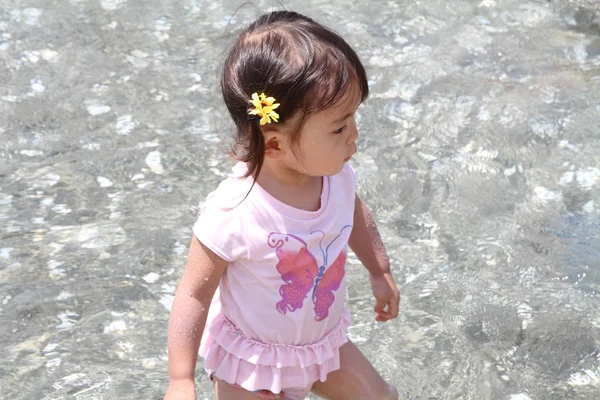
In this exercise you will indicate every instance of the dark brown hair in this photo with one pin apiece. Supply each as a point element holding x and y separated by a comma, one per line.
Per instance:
<point>304,65</point>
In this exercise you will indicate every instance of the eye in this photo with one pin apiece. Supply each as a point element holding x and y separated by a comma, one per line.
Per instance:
<point>340,130</point>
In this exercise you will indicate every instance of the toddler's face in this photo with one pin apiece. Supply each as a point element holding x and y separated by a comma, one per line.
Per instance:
<point>327,139</point>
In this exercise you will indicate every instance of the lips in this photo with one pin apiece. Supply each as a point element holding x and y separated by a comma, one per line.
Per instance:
<point>350,156</point>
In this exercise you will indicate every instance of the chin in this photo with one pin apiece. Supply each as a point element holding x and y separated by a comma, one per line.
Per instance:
<point>335,171</point>
<point>326,171</point>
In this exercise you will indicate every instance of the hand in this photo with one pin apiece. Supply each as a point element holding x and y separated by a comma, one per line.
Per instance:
<point>386,295</point>
<point>181,389</point>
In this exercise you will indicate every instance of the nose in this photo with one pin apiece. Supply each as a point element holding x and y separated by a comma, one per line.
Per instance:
<point>352,140</point>
<point>353,133</point>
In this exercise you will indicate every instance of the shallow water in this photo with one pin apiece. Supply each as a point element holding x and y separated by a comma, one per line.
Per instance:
<point>479,155</point>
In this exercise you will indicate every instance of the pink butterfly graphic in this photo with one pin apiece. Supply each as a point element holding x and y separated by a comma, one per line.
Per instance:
<point>301,273</point>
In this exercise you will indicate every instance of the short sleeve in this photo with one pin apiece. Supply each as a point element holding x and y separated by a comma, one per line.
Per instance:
<point>220,229</point>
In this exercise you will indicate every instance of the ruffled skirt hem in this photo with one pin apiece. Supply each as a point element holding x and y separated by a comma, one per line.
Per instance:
<point>255,365</point>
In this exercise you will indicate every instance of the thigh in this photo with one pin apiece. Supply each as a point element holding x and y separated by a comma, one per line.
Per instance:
<point>225,391</point>
<point>356,379</point>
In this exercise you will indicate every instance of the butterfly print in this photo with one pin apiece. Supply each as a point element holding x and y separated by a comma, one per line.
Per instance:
<point>302,274</point>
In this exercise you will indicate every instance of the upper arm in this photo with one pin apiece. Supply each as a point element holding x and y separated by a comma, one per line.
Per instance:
<point>203,272</point>
<point>356,225</point>
<point>357,203</point>
<point>358,209</point>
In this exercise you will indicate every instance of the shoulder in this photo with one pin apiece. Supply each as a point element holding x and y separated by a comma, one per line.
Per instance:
<point>229,193</point>
<point>220,223</point>
<point>342,193</point>
<point>226,197</point>
<point>346,177</point>
<point>349,171</point>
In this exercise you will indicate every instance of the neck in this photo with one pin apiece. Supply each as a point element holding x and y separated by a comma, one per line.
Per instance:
<point>290,186</point>
<point>289,178</point>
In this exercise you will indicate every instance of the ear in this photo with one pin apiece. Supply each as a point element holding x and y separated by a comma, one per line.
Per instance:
<point>273,145</point>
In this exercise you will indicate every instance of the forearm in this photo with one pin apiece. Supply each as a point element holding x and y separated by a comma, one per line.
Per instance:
<point>186,324</point>
<point>366,242</point>
<point>194,294</point>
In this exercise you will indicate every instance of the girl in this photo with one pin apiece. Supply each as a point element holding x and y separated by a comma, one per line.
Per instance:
<point>273,237</point>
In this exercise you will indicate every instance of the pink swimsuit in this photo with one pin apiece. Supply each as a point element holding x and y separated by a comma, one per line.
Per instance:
<point>278,318</point>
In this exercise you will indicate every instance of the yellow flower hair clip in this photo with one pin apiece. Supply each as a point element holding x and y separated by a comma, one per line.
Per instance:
<point>263,108</point>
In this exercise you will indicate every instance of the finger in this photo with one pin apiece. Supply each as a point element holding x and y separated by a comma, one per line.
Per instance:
<point>380,306</point>
<point>383,318</point>
<point>382,315</point>
<point>394,306</point>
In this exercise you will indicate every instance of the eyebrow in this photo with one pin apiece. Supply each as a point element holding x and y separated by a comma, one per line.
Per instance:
<point>339,120</point>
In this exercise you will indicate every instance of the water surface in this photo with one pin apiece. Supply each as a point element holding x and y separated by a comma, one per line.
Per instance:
<point>479,155</point>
